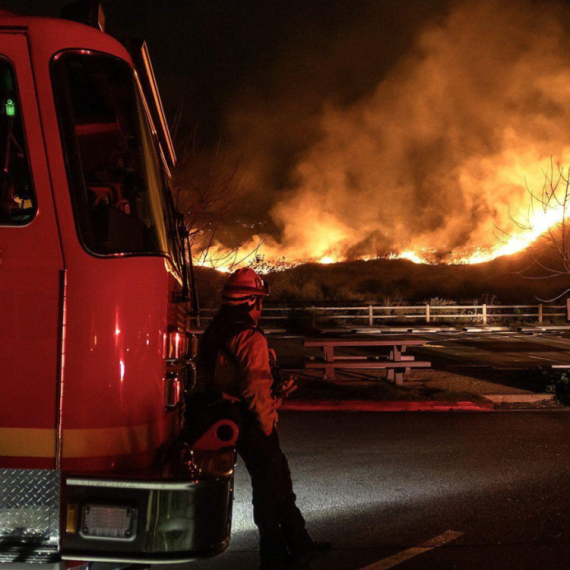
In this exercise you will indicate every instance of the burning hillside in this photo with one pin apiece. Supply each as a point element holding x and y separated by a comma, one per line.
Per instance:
<point>434,164</point>
<point>384,281</point>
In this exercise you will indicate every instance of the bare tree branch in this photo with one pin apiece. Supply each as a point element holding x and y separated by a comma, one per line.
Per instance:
<point>553,199</point>
<point>207,189</point>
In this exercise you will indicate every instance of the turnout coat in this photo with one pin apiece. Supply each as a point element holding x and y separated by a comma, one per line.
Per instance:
<point>236,352</point>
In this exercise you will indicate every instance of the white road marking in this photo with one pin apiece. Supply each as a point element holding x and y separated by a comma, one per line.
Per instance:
<point>396,559</point>
<point>538,357</point>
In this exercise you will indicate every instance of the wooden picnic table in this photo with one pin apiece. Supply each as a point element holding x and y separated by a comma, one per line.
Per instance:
<point>396,364</point>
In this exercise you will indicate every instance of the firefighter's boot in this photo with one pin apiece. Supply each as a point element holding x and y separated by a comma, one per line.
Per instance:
<point>273,551</point>
<point>307,550</point>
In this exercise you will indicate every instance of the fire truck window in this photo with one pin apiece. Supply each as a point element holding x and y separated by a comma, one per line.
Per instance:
<point>115,178</point>
<point>17,200</point>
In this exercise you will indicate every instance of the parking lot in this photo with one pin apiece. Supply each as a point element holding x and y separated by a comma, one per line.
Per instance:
<point>456,350</point>
<point>429,491</point>
<point>379,486</point>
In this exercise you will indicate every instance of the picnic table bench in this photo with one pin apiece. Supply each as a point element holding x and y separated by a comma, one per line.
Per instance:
<point>396,364</point>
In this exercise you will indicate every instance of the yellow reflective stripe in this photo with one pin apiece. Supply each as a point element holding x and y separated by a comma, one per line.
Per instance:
<point>31,442</point>
<point>111,441</point>
<point>27,442</point>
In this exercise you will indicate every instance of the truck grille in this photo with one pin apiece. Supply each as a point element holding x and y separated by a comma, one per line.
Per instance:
<point>29,513</point>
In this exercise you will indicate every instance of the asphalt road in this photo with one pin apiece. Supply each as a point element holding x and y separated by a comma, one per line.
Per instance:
<point>497,350</point>
<point>377,485</point>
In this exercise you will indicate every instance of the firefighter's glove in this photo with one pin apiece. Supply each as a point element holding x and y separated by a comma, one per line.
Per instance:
<point>285,388</point>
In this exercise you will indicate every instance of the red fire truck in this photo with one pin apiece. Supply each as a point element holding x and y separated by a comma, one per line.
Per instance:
<point>95,353</point>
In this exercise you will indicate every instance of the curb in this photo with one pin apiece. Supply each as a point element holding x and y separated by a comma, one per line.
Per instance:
<point>519,398</point>
<point>388,406</point>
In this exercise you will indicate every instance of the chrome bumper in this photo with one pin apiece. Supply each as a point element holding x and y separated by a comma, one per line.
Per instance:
<point>177,521</point>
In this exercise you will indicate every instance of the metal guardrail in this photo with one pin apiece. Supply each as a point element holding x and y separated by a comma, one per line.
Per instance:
<point>429,313</point>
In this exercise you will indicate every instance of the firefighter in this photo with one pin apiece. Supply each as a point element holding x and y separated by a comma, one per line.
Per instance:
<point>237,359</point>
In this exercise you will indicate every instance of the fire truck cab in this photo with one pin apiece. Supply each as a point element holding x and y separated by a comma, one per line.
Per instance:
<point>95,349</point>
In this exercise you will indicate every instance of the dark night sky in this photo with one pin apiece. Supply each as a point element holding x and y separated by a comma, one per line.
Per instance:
<point>221,56</point>
<point>215,53</point>
<point>368,117</point>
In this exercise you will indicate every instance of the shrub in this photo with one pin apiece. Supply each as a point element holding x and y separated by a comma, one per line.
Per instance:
<point>393,301</point>
<point>551,381</point>
<point>441,302</point>
<point>559,385</point>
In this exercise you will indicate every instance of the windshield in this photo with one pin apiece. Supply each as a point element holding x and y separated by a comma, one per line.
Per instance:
<point>17,200</point>
<point>116,183</point>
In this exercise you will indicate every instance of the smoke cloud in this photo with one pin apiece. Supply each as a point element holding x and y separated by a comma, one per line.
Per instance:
<point>434,156</point>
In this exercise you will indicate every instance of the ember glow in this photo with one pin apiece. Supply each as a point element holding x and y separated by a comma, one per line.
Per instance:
<point>327,259</point>
<point>433,165</point>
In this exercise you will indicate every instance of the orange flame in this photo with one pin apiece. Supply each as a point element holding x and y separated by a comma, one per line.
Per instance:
<point>428,164</point>
<point>538,223</point>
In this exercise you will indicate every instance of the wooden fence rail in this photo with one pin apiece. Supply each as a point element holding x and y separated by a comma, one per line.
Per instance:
<point>428,313</point>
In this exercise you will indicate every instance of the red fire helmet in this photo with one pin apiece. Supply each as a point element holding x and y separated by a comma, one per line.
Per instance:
<point>244,283</point>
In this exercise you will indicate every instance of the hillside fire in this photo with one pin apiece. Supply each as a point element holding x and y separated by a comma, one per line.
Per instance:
<point>552,218</point>
<point>439,163</point>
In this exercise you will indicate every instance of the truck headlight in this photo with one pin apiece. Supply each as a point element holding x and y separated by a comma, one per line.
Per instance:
<point>109,522</point>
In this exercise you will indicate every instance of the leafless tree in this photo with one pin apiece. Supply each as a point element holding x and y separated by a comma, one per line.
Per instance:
<point>551,251</point>
<point>207,190</point>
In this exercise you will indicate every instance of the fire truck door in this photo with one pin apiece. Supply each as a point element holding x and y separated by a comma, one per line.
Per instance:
<point>31,272</point>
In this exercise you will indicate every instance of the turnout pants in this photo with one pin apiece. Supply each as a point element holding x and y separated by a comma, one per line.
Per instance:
<point>281,524</point>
